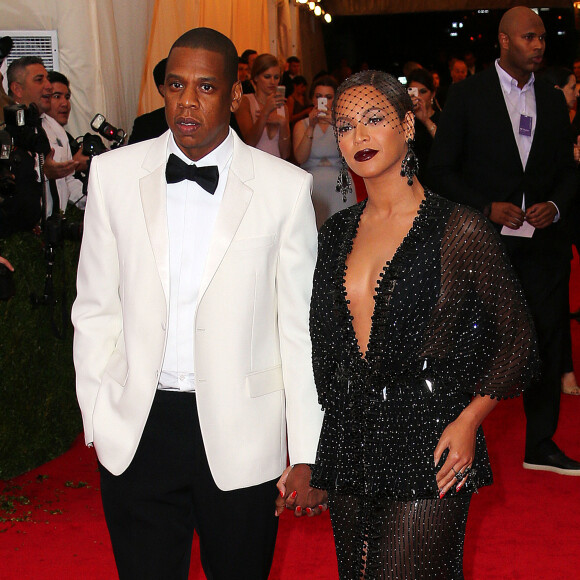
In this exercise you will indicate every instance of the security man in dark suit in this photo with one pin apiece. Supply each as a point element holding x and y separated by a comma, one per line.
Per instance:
<point>153,124</point>
<point>502,146</point>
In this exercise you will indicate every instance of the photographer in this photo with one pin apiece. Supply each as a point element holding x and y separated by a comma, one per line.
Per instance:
<point>29,85</point>
<point>20,206</point>
<point>60,107</point>
<point>70,189</point>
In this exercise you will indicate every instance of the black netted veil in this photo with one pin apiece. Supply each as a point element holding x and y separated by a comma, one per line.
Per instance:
<point>370,85</point>
<point>375,99</point>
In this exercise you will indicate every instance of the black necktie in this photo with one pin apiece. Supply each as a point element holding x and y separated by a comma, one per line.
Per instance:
<point>206,177</point>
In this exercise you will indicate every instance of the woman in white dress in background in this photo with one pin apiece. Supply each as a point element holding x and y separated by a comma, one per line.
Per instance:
<point>315,151</point>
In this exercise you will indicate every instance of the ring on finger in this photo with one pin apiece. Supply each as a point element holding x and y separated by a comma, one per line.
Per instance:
<point>460,476</point>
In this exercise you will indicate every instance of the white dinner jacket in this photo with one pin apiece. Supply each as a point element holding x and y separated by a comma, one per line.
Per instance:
<point>254,381</point>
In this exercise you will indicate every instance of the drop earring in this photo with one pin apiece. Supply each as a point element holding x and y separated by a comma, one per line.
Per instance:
<point>410,163</point>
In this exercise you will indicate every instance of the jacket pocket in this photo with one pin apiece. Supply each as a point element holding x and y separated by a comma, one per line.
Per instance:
<point>265,382</point>
<point>117,368</point>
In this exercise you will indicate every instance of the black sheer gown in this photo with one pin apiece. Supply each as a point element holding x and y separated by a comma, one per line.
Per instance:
<point>449,323</point>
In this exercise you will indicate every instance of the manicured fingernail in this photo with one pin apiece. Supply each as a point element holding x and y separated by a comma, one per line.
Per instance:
<point>458,488</point>
<point>281,493</point>
<point>294,494</point>
<point>441,494</point>
<point>308,511</point>
<point>298,509</point>
<point>320,507</point>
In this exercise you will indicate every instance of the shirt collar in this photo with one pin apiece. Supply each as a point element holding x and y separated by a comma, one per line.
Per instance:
<point>508,83</point>
<point>220,156</point>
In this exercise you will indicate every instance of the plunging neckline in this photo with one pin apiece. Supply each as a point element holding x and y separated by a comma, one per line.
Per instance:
<point>387,268</point>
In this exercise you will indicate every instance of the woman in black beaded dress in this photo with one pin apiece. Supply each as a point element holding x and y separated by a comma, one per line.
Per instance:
<point>418,326</point>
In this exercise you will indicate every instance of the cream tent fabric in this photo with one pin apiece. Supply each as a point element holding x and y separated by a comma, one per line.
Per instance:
<point>244,21</point>
<point>102,46</point>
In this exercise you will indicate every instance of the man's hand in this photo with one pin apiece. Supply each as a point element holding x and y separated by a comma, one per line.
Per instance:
<point>507,214</point>
<point>541,215</point>
<point>58,169</point>
<point>82,160</point>
<point>296,493</point>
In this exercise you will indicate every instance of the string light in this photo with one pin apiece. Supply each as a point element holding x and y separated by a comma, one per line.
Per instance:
<point>316,7</point>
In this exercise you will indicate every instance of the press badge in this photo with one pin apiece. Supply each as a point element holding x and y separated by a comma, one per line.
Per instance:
<point>525,125</point>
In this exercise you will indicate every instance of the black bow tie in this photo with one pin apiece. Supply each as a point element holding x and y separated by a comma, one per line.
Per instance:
<point>177,170</point>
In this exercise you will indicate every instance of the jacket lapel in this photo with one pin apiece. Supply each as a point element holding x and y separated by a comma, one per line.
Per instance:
<point>237,197</point>
<point>153,189</point>
<point>499,111</point>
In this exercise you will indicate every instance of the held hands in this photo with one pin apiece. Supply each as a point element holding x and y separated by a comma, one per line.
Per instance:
<point>296,493</point>
<point>459,438</point>
<point>58,169</point>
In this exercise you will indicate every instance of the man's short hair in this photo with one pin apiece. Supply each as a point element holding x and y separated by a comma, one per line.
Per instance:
<point>246,55</point>
<point>159,72</point>
<point>214,41</point>
<point>17,70</point>
<point>57,77</point>
<point>292,59</point>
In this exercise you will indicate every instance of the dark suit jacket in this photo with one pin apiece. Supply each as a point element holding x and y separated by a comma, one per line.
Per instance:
<point>149,126</point>
<point>475,159</point>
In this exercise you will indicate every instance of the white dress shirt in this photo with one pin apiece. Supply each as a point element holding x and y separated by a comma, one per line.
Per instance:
<point>191,216</point>
<point>70,190</point>
<point>520,102</point>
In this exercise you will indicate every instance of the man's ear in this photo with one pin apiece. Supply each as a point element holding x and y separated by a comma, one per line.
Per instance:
<point>504,40</point>
<point>237,95</point>
<point>16,89</point>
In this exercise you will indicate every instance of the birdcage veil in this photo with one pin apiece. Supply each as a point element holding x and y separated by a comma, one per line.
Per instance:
<point>361,99</point>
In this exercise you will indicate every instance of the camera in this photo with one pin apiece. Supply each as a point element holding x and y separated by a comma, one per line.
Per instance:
<point>58,228</point>
<point>100,125</point>
<point>24,124</point>
<point>92,145</point>
<point>7,185</point>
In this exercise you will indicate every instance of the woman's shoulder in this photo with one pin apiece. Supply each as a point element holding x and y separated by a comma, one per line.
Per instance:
<point>341,221</point>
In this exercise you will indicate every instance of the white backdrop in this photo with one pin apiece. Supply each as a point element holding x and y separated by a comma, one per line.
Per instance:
<point>102,47</point>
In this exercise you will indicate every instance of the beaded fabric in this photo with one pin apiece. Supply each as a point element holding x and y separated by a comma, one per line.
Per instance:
<point>449,323</point>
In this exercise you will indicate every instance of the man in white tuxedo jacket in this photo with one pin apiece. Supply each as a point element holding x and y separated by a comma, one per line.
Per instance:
<point>191,347</point>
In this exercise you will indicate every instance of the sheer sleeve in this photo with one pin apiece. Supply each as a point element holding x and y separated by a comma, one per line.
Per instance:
<point>321,304</point>
<point>481,322</point>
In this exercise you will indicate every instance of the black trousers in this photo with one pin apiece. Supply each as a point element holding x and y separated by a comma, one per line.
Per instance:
<point>546,289</point>
<point>167,492</point>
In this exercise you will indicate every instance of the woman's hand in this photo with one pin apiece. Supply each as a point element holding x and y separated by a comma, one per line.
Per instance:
<point>420,110</point>
<point>317,115</point>
<point>270,108</point>
<point>459,438</point>
<point>315,500</point>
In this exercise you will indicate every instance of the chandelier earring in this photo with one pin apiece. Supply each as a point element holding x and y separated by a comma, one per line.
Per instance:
<point>410,163</point>
<point>343,182</point>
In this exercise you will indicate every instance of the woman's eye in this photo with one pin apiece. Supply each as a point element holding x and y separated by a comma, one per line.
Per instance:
<point>343,129</point>
<point>376,120</point>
